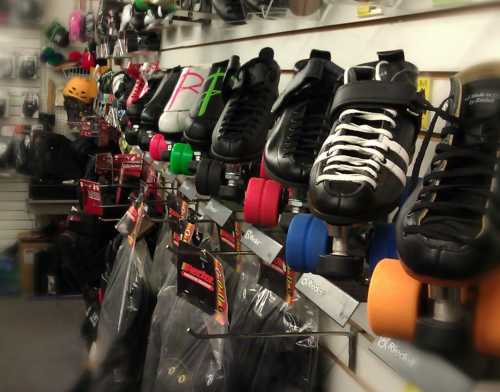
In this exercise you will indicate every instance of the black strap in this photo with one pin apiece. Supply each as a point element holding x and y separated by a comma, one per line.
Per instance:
<point>379,93</point>
<point>312,72</point>
<point>392,55</point>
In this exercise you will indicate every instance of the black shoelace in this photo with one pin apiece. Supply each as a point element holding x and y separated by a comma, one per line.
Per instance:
<point>306,134</point>
<point>463,165</point>
<point>244,113</point>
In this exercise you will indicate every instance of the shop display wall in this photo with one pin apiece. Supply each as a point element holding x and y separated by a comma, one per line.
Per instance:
<point>439,44</point>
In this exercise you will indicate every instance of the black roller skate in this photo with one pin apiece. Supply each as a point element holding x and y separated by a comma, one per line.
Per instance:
<point>448,233</point>
<point>301,127</point>
<point>240,134</point>
<point>360,173</point>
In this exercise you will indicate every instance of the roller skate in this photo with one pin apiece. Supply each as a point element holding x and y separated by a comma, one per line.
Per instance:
<point>197,137</point>
<point>142,134</point>
<point>240,133</point>
<point>301,127</point>
<point>186,92</point>
<point>152,82</point>
<point>140,81</point>
<point>232,11</point>
<point>360,172</point>
<point>173,120</point>
<point>444,293</point>
<point>179,90</point>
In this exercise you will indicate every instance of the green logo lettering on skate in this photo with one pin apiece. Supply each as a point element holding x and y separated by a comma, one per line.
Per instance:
<point>211,92</point>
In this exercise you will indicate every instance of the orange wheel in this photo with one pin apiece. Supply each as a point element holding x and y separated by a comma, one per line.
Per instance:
<point>393,300</point>
<point>487,318</point>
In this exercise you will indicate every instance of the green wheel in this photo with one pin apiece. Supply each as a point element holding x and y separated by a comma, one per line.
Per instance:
<point>180,158</point>
<point>141,5</point>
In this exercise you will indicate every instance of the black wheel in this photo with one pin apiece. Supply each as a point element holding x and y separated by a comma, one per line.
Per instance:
<point>285,219</point>
<point>201,178</point>
<point>340,267</point>
<point>230,193</point>
<point>215,175</point>
<point>446,338</point>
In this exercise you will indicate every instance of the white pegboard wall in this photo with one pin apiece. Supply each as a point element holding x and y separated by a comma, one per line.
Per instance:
<point>14,217</point>
<point>437,44</point>
<point>15,42</point>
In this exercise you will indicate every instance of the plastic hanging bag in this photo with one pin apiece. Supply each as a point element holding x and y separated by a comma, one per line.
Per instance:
<point>177,361</point>
<point>124,321</point>
<point>164,270</point>
<point>279,364</point>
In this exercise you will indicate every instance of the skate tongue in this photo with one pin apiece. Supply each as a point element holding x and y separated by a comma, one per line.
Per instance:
<point>395,72</point>
<point>480,114</point>
<point>480,100</point>
<point>320,54</point>
<point>360,72</point>
<point>254,75</point>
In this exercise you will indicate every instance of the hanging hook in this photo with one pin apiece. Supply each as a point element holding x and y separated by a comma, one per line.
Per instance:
<point>264,335</point>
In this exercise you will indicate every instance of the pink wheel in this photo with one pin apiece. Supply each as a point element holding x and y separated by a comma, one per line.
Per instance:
<point>253,196</point>
<point>157,146</point>
<point>270,203</point>
<point>262,201</point>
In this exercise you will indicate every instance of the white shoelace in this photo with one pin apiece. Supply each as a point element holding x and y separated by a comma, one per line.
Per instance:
<point>370,152</point>
<point>347,168</point>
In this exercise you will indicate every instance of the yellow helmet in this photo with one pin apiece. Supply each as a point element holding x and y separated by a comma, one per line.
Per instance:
<point>81,88</point>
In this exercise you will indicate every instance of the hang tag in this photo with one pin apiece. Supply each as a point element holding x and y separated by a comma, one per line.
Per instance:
<point>119,160</point>
<point>152,189</point>
<point>132,222</point>
<point>221,305</point>
<point>424,83</point>
<point>188,189</point>
<point>262,245</point>
<point>428,371</point>
<point>216,211</point>
<point>200,280</point>
<point>103,164</point>
<point>130,174</point>
<point>337,304</point>
<point>230,241</point>
<point>174,217</point>
<point>126,224</point>
<point>91,197</point>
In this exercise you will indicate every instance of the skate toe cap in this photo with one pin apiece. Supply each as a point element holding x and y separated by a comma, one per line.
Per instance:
<point>440,259</point>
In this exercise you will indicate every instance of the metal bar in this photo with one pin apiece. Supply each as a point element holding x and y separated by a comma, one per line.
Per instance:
<point>264,335</point>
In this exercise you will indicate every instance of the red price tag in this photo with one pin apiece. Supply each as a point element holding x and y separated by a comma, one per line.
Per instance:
<point>91,197</point>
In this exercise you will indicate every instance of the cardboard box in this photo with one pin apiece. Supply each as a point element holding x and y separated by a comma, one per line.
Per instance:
<point>26,257</point>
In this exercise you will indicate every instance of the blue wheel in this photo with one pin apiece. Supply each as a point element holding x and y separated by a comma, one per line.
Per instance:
<point>306,240</point>
<point>382,244</point>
